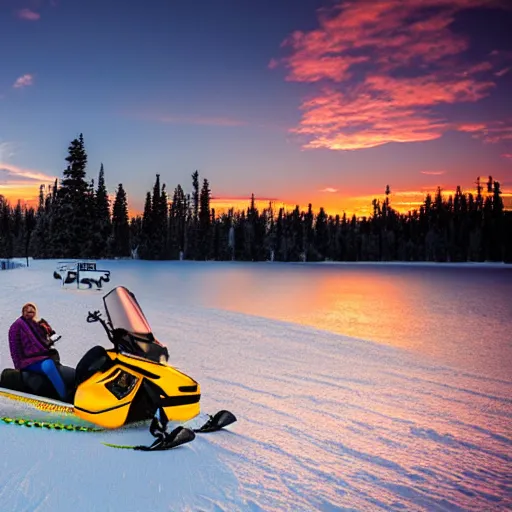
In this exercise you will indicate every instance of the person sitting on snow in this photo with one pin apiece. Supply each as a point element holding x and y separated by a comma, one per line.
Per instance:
<point>30,346</point>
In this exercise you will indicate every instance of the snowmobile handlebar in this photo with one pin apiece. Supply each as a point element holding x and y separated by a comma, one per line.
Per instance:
<point>95,316</point>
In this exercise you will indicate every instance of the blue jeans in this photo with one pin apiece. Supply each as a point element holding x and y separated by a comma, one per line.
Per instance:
<point>48,368</point>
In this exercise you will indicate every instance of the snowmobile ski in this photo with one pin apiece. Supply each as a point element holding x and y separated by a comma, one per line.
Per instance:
<point>217,422</point>
<point>167,441</point>
<point>180,435</point>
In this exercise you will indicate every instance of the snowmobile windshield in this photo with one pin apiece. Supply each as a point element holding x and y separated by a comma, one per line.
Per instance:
<point>132,332</point>
<point>124,312</point>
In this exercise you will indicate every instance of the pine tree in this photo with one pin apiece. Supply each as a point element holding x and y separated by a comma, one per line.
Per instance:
<point>120,225</point>
<point>204,250</point>
<point>18,231</point>
<point>193,221</point>
<point>158,221</point>
<point>71,224</point>
<point>103,227</point>
<point>40,241</point>
<point>164,222</point>
<point>322,234</point>
<point>195,195</point>
<point>6,242</point>
<point>309,235</point>
<point>177,222</point>
<point>74,184</point>
<point>145,247</point>
<point>29,226</point>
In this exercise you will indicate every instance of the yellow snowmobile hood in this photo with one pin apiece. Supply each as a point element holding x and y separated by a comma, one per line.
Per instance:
<point>107,398</point>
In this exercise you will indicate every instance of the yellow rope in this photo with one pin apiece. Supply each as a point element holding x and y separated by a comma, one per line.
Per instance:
<point>48,425</point>
<point>39,404</point>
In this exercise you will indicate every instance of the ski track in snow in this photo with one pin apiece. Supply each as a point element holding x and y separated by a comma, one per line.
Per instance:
<point>325,422</point>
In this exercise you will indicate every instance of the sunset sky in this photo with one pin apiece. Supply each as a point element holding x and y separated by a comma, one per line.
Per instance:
<point>316,101</point>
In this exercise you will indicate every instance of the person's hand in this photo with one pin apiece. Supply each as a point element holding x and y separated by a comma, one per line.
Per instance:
<point>54,338</point>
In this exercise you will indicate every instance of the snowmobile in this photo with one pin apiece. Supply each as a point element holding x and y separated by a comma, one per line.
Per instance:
<point>129,384</point>
<point>81,273</point>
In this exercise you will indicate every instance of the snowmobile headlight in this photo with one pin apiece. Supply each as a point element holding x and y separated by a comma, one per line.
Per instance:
<point>122,385</point>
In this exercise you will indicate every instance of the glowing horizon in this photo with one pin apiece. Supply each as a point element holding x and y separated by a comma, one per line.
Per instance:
<point>333,203</point>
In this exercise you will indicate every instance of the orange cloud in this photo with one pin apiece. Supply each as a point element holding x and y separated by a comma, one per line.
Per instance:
<point>14,175</point>
<point>28,14</point>
<point>363,49</point>
<point>17,183</point>
<point>329,190</point>
<point>23,81</point>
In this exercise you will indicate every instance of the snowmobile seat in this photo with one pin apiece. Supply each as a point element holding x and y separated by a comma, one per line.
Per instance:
<point>11,379</point>
<point>68,375</point>
<point>35,383</point>
<point>28,382</point>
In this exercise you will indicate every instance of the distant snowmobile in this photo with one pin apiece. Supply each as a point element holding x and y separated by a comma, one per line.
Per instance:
<point>81,273</point>
<point>129,384</point>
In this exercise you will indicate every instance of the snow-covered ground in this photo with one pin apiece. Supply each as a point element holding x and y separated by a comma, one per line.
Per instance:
<point>325,422</point>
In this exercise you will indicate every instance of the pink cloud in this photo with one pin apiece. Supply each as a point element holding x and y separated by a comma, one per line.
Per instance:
<point>335,120</point>
<point>502,72</point>
<point>28,14</point>
<point>491,133</point>
<point>273,64</point>
<point>23,81</point>
<point>433,173</point>
<point>507,155</point>
<point>329,190</point>
<point>313,69</point>
<point>375,41</point>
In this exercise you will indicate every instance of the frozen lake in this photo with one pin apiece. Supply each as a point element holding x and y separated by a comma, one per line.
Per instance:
<point>456,315</point>
<point>356,388</point>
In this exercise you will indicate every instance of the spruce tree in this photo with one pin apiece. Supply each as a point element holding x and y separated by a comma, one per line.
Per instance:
<point>120,225</point>
<point>6,242</point>
<point>72,224</point>
<point>177,222</point>
<point>193,221</point>
<point>103,228</point>
<point>195,194</point>
<point>203,249</point>
<point>145,246</point>
<point>158,221</point>
<point>322,234</point>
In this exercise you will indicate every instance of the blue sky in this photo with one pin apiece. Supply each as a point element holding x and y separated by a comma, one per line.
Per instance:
<point>361,95</point>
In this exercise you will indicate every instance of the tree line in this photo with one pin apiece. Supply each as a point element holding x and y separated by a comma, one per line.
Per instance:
<point>74,219</point>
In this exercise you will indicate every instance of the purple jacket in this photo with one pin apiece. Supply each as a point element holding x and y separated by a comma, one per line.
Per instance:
<point>27,343</point>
